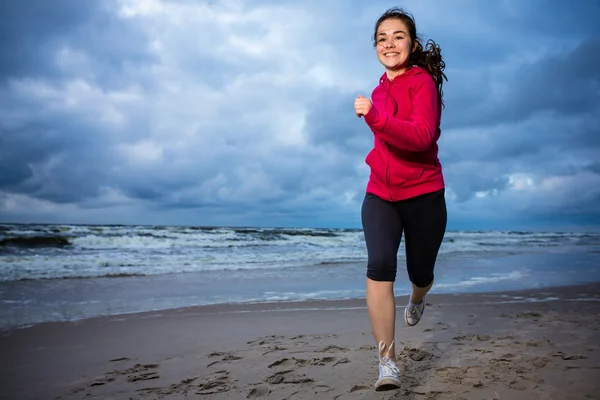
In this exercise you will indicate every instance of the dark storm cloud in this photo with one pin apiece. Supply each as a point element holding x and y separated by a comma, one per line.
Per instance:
<point>540,143</point>
<point>594,167</point>
<point>543,18</point>
<point>32,33</point>
<point>243,112</point>
<point>48,162</point>
<point>491,32</point>
<point>29,32</point>
<point>12,173</point>
<point>566,84</point>
<point>52,153</point>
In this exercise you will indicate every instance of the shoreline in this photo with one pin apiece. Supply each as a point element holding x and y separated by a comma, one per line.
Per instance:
<point>487,345</point>
<point>356,303</point>
<point>527,296</point>
<point>27,303</point>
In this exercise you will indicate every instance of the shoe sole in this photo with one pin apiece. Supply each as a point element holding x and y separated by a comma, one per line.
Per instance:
<point>386,384</point>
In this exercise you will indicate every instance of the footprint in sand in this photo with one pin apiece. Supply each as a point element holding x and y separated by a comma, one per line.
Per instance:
<point>482,338</point>
<point>322,389</point>
<point>183,387</point>
<point>272,339</point>
<point>101,381</point>
<point>321,361</point>
<point>285,376</point>
<point>539,362</point>
<point>286,362</point>
<point>283,362</point>
<point>225,357</point>
<point>214,385</point>
<point>139,372</point>
<point>568,357</point>
<point>416,354</point>
<point>259,390</point>
<point>357,388</point>
<point>468,376</point>
<point>143,377</point>
<point>277,377</point>
<point>274,349</point>
<point>216,382</point>
<point>332,348</point>
<point>524,385</point>
<point>119,359</point>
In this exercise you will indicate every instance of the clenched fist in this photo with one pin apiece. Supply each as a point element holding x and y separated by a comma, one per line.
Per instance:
<point>362,105</point>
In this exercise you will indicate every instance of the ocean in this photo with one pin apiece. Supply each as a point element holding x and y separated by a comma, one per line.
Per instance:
<point>69,272</point>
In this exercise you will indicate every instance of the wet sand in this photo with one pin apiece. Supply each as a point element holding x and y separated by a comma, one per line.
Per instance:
<point>542,344</point>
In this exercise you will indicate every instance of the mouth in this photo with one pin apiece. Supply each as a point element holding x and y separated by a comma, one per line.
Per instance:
<point>391,54</point>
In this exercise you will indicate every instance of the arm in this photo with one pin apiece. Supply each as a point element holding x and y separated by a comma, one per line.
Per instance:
<point>419,131</point>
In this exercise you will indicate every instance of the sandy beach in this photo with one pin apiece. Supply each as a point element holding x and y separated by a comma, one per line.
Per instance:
<point>541,344</point>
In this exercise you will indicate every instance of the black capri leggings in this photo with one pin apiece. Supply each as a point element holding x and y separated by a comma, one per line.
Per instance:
<point>423,221</point>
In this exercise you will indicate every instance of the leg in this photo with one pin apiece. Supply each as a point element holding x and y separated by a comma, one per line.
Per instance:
<point>418,293</point>
<point>381,306</point>
<point>383,231</point>
<point>382,228</point>
<point>425,219</point>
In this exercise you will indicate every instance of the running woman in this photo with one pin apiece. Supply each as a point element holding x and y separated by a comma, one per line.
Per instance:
<point>405,193</point>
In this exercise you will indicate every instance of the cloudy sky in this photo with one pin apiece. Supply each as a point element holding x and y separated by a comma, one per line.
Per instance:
<point>231,112</point>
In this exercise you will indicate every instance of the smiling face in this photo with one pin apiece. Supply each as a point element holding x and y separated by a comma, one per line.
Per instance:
<point>394,46</point>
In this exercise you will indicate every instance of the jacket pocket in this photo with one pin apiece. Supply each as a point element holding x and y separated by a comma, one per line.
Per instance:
<point>375,160</point>
<point>402,172</point>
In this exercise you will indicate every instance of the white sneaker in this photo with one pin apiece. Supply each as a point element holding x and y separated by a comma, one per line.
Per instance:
<point>388,370</point>
<point>413,312</point>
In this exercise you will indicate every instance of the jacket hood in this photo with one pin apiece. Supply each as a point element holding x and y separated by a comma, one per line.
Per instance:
<point>410,71</point>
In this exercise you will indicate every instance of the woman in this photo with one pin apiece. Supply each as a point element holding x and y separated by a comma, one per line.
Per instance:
<point>406,191</point>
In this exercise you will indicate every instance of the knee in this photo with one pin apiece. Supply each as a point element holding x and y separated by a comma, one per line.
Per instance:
<point>382,269</point>
<point>421,279</point>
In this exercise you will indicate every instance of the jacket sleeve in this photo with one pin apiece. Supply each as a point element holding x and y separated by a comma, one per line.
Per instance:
<point>418,132</point>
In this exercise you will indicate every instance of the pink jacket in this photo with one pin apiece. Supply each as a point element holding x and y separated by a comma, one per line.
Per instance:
<point>405,119</point>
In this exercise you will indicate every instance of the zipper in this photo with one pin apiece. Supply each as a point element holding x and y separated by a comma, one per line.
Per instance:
<point>387,154</point>
<point>387,180</point>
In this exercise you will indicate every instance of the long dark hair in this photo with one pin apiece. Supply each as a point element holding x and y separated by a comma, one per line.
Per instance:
<point>429,57</point>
